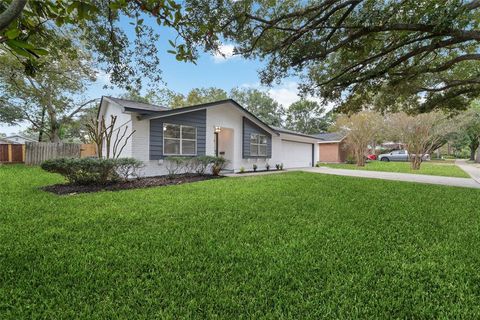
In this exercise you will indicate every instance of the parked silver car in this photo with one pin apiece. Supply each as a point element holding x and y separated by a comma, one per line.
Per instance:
<point>399,155</point>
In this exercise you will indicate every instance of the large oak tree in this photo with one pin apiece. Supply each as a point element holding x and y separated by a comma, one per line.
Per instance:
<point>414,54</point>
<point>52,99</point>
<point>103,27</point>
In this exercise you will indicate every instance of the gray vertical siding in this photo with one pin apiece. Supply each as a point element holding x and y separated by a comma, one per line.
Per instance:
<point>197,119</point>
<point>248,128</point>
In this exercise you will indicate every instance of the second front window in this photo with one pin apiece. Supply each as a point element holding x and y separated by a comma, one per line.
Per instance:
<point>258,145</point>
<point>179,140</point>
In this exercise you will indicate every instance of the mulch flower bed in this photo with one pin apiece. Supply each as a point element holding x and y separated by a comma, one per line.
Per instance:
<point>69,189</point>
<point>251,171</point>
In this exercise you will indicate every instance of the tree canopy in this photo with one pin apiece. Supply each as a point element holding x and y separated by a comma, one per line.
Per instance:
<point>415,55</point>
<point>306,116</point>
<point>50,100</point>
<point>260,104</point>
<point>27,27</point>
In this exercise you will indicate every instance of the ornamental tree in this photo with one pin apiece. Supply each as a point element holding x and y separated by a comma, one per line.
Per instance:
<point>421,134</point>
<point>360,129</point>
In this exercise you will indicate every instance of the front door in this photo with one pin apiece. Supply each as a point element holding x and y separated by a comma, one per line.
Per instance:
<point>223,146</point>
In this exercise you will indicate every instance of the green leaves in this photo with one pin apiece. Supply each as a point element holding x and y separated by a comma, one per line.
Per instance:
<point>96,24</point>
<point>25,49</point>
<point>12,33</point>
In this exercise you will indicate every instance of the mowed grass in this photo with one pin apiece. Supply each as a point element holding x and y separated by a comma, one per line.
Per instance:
<point>293,245</point>
<point>446,169</point>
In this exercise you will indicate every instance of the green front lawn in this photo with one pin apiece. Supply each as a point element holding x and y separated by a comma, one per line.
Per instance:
<point>433,168</point>
<point>292,245</point>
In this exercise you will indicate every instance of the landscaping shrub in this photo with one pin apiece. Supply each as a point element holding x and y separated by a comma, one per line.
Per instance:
<point>350,159</point>
<point>93,170</point>
<point>267,166</point>
<point>174,165</point>
<point>128,167</point>
<point>218,164</point>
<point>255,167</point>
<point>200,164</point>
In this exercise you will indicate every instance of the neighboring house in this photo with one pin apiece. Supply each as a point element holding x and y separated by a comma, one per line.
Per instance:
<point>16,139</point>
<point>222,128</point>
<point>332,147</point>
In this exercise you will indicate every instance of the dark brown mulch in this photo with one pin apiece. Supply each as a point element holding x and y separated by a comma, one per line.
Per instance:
<point>247,172</point>
<point>64,189</point>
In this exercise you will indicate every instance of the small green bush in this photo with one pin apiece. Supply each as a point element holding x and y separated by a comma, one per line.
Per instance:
<point>93,170</point>
<point>255,167</point>
<point>218,164</point>
<point>242,169</point>
<point>200,164</point>
<point>267,166</point>
<point>175,165</point>
<point>350,159</point>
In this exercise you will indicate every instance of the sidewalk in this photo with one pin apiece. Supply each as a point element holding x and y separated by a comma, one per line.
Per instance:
<point>407,177</point>
<point>471,169</point>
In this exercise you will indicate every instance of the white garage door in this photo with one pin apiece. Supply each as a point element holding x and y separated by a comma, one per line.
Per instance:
<point>296,154</point>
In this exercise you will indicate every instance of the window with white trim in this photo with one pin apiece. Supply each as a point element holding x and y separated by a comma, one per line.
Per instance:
<point>258,145</point>
<point>179,140</point>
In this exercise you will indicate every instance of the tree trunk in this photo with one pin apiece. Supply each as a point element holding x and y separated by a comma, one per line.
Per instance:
<point>473,148</point>
<point>416,161</point>
<point>477,160</point>
<point>42,126</point>
<point>360,158</point>
<point>472,154</point>
<point>12,12</point>
<point>55,135</point>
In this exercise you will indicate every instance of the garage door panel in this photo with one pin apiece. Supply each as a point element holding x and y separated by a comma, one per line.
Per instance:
<point>296,154</point>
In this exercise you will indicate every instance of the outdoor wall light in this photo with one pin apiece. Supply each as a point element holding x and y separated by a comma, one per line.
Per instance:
<point>218,129</point>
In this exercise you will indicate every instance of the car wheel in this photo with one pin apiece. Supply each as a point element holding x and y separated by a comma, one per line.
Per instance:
<point>385,159</point>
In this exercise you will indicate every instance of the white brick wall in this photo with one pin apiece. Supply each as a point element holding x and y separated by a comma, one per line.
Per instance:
<point>123,120</point>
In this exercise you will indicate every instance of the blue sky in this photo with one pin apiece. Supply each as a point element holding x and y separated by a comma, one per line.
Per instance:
<point>210,71</point>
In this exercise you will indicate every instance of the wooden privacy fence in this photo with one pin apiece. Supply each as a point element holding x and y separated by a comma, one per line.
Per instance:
<point>88,150</point>
<point>37,152</point>
<point>12,153</point>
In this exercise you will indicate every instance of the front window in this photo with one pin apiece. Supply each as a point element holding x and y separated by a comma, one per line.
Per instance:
<point>258,144</point>
<point>179,140</point>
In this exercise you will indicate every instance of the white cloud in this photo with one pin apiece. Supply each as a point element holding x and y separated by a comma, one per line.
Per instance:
<point>285,93</point>
<point>103,77</point>
<point>225,52</point>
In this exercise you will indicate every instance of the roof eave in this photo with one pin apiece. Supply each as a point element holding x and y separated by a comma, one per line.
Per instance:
<point>166,113</point>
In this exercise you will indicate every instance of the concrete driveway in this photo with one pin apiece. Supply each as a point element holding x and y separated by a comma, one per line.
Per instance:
<point>408,177</point>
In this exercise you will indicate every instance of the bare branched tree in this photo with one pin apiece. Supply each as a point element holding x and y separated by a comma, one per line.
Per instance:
<point>421,134</point>
<point>101,134</point>
<point>361,129</point>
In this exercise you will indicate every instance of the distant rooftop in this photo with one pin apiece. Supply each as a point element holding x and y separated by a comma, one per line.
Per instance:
<point>330,136</point>
<point>279,129</point>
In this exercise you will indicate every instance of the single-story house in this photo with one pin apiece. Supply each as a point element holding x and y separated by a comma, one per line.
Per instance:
<point>222,128</point>
<point>16,139</point>
<point>332,147</point>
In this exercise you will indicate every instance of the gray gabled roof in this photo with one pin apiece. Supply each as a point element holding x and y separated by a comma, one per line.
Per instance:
<point>170,112</point>
<point>135,105</point>
<point>283,130</point>
<point>330,136</point>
